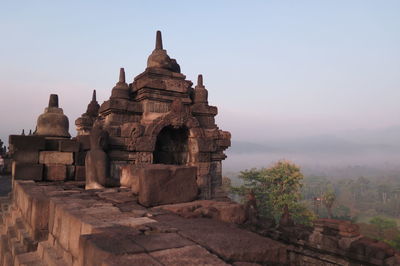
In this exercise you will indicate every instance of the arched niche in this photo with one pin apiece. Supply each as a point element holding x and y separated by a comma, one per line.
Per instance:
<point>172,146</point>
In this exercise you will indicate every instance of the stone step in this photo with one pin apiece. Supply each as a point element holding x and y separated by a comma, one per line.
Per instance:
<point>28,259</point>
<point>6,259</point>
<point>17,247</point>
<point>11,232</point>
<point>5,254</point>
<point>49,255</point>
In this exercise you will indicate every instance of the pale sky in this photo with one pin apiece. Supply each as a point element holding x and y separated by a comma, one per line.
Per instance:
<point>274,68</point>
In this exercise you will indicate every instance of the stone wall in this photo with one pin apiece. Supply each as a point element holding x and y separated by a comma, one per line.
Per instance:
<point>41,158</point>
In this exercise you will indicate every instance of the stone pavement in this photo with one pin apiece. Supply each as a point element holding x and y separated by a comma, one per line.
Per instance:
<point>63,224</point>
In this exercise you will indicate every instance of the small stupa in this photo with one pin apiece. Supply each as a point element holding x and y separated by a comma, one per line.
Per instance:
<point>53,122</point>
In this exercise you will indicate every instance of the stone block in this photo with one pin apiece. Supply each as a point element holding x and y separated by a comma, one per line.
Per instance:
<point>96,248</point>
<point>56,157</point>
<point>27,171</point>
<point>166,184</point>
<point>79,157</point>
<point>225,211</point>
<point>27,156</point>
<point>84,141</point>
<point>26,143</point>
<point>71,172</point>
<point>154,242</point>
<point>80,173</point>
<point>228,242</point>
<point>52,144</point>
<point>130,176</point>
<point>129,260</point>
<point>70,145</point>
<point>56,172</point>
<point>189,255</point>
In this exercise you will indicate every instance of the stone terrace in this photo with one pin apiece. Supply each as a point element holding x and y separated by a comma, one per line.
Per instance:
<point>63,224</point>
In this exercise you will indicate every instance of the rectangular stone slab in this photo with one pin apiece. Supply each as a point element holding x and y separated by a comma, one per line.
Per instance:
<point>26,156</point>
<point>26,143</point>
<point>56,172</point>
<point>27,171</point>
<point>68,145</point>
<point>56,157</point>
<point>165,184</point>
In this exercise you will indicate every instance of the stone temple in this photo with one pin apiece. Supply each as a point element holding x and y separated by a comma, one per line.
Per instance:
<point>140,184</point>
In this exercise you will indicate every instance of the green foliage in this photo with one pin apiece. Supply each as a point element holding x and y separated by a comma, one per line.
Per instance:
<point>383,223</point>
<point>395,243</point>
<point>274,188</point>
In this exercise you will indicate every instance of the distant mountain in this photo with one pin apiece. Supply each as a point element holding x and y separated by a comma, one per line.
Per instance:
<point>330,144</point>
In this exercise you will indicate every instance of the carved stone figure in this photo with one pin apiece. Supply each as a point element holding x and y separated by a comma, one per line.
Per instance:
<point>97,165</point>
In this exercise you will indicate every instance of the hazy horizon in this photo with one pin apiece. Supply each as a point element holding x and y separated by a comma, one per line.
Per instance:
<point>282,73</point>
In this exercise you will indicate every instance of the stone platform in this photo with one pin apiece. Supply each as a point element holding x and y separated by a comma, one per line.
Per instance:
<point>63,224</point>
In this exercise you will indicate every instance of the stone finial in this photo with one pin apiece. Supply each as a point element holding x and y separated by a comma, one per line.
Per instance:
<point>53,101</point>
<point>200,92</point>
<point>121,75</point>
<point>23,132</point>
<point>159,45</point>
<point>93,107</point>
<point>160,59</point>
<point>121,89</point>
<point>30,132</point>
<point>200,80</point>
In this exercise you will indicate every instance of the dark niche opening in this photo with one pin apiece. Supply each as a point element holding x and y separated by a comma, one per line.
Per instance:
<point>171,146</point>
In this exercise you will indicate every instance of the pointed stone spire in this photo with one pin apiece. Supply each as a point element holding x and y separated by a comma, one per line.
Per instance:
<point>122,75</point>
<point>200,92</point>
<point>53,101</point>
<point>121,89</point>
<point>159,45</point>
<point>94,96</point>
<point>200,80</point>
<point>93,106</point>
<point>23,132</point>
<point>30,132</point>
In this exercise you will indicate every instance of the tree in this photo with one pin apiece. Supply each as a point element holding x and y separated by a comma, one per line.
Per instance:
<point>328,199</point>
<point>274,188</point>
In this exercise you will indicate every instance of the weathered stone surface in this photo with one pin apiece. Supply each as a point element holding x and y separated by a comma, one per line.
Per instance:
<point>334,227</point>
<point>165,184</point>
<point>154,242</point>
<point>229,243</point>
<point>371,248</point>
<point>97,165</point>
<point>53,122</point>
<point>27,171</point>
<point>71,145</point>
<point>225,211</point>
<point>97,248</point>
<point>129,260</point>
<point>56,172</point>
<point>26,156</point>
<point>189,255</point>
<point>26,143</point>
<point>130,177</point>
<point>84,141</point>
<point>80,173</point>
<point>56,157</point>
